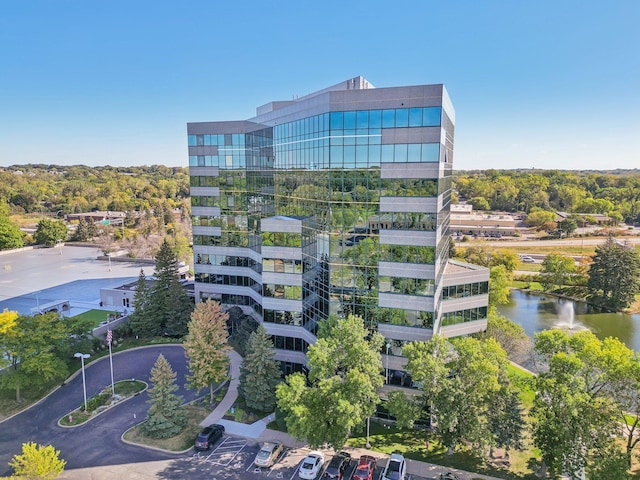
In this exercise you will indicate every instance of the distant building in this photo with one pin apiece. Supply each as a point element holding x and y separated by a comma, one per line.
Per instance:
<point>122,297</point>
<point>598,218</point>
<point>335,203</point>
<point>464,221</point>
<point>106,217</point>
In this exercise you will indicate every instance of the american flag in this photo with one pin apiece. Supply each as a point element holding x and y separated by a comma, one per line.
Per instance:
<point>109,336</point>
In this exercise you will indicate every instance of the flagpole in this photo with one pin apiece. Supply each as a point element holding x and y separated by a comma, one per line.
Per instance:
<point>109,338</point>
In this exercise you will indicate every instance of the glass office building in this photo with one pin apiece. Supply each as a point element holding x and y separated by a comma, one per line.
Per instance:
<point>330,204</point>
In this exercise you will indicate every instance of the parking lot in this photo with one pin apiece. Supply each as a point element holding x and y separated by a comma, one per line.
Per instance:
<point>233,458</point>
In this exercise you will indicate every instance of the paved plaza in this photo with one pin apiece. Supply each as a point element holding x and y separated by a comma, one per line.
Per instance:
<point>33,277</point>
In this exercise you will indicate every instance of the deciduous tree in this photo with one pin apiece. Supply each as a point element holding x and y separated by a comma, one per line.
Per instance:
<point>509,334</point>
<point>206,346</point>
<point>498,286</point>
<point>29,344</point>
<point>48,232</point>
<point>166,416</point>
<point>460,383</point>
<point>345,375</point>
<point>506,419</point>
<point>37,462</point>
<point>406,409</point>
<point>575,407</point>
<point>557,271</point>
<point>260,372</point>
<point>10,235</point>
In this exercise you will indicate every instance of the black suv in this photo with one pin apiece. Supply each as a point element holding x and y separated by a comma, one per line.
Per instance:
<point>337,466</point>
<point>208,436</point>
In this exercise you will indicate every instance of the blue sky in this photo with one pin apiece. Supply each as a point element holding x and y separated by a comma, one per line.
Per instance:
<point>544,84</point>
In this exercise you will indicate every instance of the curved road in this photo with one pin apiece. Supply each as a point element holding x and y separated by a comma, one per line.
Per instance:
<point>96,442</point>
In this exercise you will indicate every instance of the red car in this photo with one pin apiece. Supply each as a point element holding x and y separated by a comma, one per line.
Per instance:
<point>365,468</point>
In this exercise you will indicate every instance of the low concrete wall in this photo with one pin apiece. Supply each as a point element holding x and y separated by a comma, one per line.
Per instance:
<point>101,331</point>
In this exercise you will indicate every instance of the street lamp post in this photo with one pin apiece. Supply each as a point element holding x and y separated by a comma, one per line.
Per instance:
<point>109,255</point>
<point>386,370</point>
<point>368,445</point>
<point>82,357</point>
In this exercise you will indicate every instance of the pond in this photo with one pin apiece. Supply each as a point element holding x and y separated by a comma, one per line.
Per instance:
<point>540,312</point>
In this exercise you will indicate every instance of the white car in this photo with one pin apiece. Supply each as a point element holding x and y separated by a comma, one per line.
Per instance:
<point>396,468</point>
<point>311,465</point>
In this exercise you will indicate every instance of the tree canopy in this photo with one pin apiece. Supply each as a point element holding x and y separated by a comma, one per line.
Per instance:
<point>166,416</point>
<point>49,232</point>
<point>462,381</point>
<point>576,411</point>
<point>345,373</point>
<point>35,349</point>
<point>260,372</point>
<point>614,275</point>
<point>206,346</point>
<point>37,462</point>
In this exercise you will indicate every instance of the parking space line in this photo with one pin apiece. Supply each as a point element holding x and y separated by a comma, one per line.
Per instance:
<point>280,457</point>
<point>296,470</point>
<point>234,456</point>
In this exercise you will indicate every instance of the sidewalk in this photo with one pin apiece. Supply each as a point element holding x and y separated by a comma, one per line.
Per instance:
<point>257,432</point>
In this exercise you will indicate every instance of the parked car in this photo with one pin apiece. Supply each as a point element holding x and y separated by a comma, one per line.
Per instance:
<point>311,465</point>
<point>337,466</point>
<point>526,259</point>
<point>365,468</point>
<point>268,454</point>
<point>208,436</point>
<point>396,468</point>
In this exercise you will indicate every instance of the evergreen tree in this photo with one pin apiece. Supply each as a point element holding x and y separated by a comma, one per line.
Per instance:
<point>169,306</point>
<point>166,416</point>
<point>85,230</point>
<point>240,328</point>
<point>140,321</point>
<point>614,276</point>
<point>206,346</point>
<point>179,308</point>
<point>260,372</point>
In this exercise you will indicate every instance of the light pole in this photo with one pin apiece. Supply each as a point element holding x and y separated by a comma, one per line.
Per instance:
<point>109,255</point>
<point>82,357</point>
<point>386,370</point>
<point>368,445</point>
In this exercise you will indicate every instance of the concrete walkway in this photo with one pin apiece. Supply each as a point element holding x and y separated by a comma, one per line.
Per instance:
<point>257,432</point>
<point>234,428</point>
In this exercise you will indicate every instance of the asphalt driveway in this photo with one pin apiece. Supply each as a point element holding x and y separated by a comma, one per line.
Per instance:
<point>96,442</point>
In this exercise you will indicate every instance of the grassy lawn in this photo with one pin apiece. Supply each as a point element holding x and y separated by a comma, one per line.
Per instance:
<point>524,285</point>
<point>96,316</point>
<point>521,380</point>
<point>30,395</point>
<point>243,414</point>
<point>179,443</point>
<point>96,404</point>
<point>529,267</point>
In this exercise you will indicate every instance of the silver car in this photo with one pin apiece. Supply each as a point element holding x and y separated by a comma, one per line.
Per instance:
<point>268,454</point>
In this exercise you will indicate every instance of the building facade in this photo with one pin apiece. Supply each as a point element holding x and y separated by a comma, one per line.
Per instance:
<point>331,204</point>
